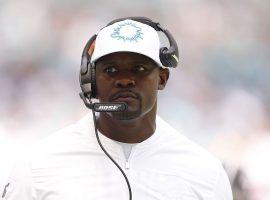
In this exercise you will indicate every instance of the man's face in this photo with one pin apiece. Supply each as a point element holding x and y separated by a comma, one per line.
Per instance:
<point>131,78</point>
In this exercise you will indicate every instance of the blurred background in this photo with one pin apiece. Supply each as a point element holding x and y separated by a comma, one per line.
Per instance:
<point>218,96</point>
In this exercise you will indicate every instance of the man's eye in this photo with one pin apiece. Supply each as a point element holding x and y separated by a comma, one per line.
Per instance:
<point>110,70</point>
<point>139,68</point>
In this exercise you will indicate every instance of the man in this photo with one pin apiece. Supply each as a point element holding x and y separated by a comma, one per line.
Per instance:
<point>126,62</point>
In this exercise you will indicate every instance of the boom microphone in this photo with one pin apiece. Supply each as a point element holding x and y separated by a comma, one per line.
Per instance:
<point>105,107</point>
<point>109,107</point>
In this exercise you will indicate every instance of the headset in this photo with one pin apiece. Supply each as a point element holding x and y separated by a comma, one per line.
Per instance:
<point>169,57</point>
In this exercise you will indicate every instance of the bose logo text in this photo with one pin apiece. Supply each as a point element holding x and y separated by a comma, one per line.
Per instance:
<point>107,107</point>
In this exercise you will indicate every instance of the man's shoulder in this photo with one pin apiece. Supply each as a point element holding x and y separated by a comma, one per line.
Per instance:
<point>187,150</point>
<point>190,161</point>
<point>66,139</point>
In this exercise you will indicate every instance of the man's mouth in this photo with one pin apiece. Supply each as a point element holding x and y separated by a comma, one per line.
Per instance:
<point>124,97</point>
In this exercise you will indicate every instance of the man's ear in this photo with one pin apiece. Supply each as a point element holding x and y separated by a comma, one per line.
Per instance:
<point>164,74</point>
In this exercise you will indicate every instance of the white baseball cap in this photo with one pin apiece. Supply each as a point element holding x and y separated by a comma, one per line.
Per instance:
<point>127,36</point>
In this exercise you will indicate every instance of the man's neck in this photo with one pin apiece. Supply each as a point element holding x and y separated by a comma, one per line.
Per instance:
<point>128,131</point>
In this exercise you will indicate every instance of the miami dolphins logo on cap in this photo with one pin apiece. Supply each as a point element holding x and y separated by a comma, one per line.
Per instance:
<point>127,31</point>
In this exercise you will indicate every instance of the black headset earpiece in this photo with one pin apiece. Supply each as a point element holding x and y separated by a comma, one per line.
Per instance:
<point>87,72</point>
<point>169,57</point>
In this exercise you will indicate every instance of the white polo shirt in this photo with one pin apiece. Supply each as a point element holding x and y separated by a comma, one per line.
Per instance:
<point>69,165</point>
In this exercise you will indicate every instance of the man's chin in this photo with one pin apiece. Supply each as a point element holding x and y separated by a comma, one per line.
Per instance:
<point>126,115</point>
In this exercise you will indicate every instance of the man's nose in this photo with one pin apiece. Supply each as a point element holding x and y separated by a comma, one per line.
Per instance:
<point>125,82</point>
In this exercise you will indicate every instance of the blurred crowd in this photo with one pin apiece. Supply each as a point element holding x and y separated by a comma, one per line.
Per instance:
<point>220,92</point>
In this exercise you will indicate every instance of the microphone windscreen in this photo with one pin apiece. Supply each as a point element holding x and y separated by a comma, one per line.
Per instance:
<point>110,107</point>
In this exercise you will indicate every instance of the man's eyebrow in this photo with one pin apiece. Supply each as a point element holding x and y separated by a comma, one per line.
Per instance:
<point>146,63</point>
<point>140,62</point>
<point>104,62</point>
<point>143,62</point>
